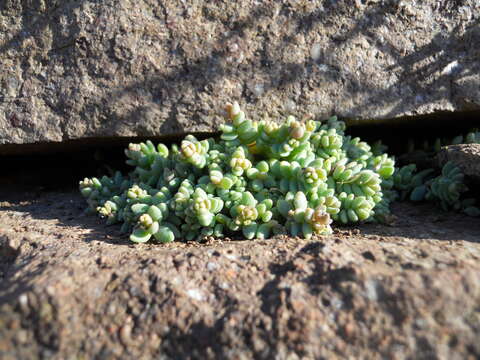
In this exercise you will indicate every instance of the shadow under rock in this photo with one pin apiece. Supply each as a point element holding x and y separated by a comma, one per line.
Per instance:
<point>321,280</point>
<point>19,295</point>
<point>426,221</point>
<point>201,341</point>
<point>12,286</point>
<point>67,208</point>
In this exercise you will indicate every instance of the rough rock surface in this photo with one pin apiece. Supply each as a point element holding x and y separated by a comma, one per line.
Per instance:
<point>71,288</point>
<point>465,156</point>
<point>82,68</point>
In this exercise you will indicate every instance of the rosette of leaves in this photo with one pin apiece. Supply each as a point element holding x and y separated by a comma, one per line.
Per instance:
<point>110,209</point>
<point>303,220</point>
<point>403,177</point>
<point>365,183</point>
<point>358,182</point>
<point>305,176</point>
<point>448,187</point>
<point>151,223</point>
<point>269,139</point>
<point>98,191</point>
<point>259,177</point>
<point>120,210</point>
<point>410,183</point>
<point>333,123</point>
<point>194,152</point>
<point>205,207</point>
<point>289,140</point>
<point>240,130</point>
<point>328,144</point>
<point>357,150</point>
<point>146,211</point>
<point>381,211</point>
<point>198,210</point>
<point>143,154</point>
<point>152,165</point>
<point>250,216</point>
<point>239,162</point>
<point>344,172</point>
<point>329,203</point>
<point>354,208</point>
<point>383,165</point>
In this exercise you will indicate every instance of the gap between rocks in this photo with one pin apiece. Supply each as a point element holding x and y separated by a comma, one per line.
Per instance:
<point>60,165</point>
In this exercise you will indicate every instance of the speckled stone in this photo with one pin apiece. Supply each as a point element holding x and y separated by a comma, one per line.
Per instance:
<point>465,156</point>
<point>84,68</point>
<point>76,289</point>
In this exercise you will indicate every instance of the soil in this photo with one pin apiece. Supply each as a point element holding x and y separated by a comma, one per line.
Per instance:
<point>74,288</point>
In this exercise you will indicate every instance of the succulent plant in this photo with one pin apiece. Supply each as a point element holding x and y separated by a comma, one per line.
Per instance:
<point>260,178</point>
<point>447,187</point>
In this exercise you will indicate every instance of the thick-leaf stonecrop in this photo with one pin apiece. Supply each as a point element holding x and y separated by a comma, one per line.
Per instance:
<point>259,178</point>
<point>447,189</point>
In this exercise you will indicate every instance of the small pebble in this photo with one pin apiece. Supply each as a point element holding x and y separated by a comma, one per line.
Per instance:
<point>195,294</point>
<point>211,266</point>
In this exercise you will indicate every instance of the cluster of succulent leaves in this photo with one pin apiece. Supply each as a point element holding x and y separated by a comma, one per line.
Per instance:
<point>259,178</point>
<point>448,188</point>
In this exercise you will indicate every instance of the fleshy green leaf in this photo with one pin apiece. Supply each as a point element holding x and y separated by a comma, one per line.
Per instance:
<point>139,209</point>
<point>164,235</point>
<point>155,213</point>
<point>140,235</point>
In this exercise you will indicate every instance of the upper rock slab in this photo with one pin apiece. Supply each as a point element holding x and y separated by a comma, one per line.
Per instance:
<point>83,68</point>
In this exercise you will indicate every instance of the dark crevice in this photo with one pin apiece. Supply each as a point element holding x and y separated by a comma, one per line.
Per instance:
<point>59,165</point>
<point>62,164</point>
<point>396,132</point>
<point>89,142</point>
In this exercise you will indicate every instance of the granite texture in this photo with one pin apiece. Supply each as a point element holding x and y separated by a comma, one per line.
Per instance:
<point>466,157</point>
<point>87,69</point>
